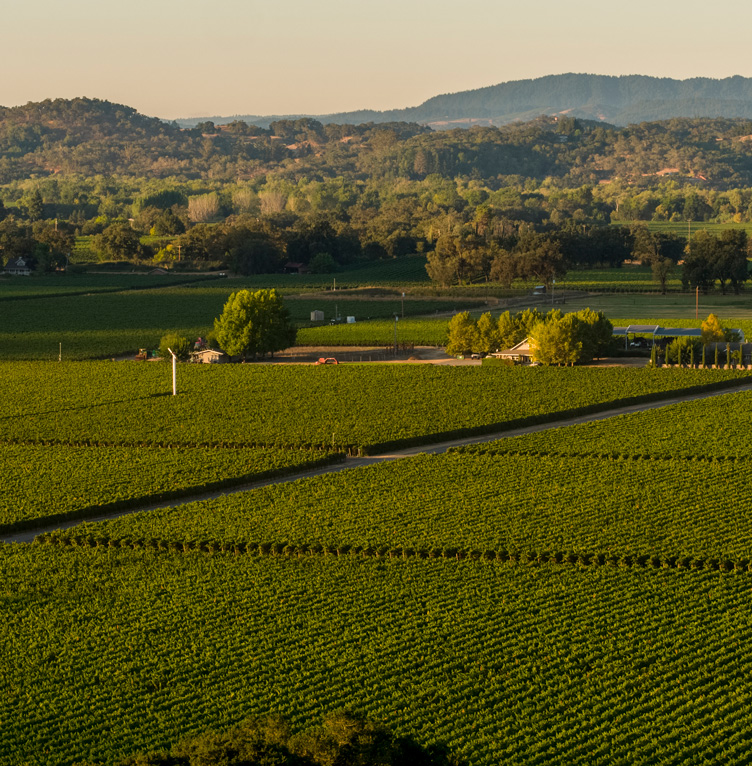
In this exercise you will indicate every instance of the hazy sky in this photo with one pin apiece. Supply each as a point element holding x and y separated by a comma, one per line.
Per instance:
<point>184,58</point>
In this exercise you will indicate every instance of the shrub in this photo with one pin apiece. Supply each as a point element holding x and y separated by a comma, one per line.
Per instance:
<point>180,346</point>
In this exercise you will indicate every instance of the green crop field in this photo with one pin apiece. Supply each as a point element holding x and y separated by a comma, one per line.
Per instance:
<point>515,505</point>
<point>108,652</point>
<point>633,279</point>
<point>418,332</point>
<point>578,601</point>
<point>715,429</point>
<point>433,332</point>
<point>618,488</point>
<point>351,406</point>
<point>51,285</point>
<point>52,482</point>
<point>100,325</point>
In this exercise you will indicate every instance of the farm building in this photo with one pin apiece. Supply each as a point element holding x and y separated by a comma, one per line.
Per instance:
<point>519,354</point>
<point>17,267</point>
<point>295,268</point>
<point>209,356</point>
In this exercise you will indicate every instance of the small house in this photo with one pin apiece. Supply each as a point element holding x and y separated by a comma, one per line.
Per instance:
<point>519,354</point>
<point>292,267</point>
<point>209,356</point>
<point>317,316</point>
<point>17,267</point>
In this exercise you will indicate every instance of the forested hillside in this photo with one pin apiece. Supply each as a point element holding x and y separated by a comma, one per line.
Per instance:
<point>91,137</point>
<point>618,100</point>
<point>87,180</point>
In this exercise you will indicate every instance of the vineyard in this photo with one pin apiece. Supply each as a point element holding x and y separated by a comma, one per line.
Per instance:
<point>83,284</point>
<point>353,407</point>
<point>90,316</point>
<point>86,480</point>
<point>426,331</point>
<point>107,652</point>
<point>418,332</point>
<point>570,596</point>
<point>110,323</point>
<point>578,509</point>
<point>630,279</point>
<point>712,430</point>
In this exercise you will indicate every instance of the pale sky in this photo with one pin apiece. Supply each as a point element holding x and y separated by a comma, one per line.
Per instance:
<point>192,58</point>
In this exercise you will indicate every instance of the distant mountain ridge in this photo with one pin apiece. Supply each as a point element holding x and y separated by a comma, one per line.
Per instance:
<point>616,100</point>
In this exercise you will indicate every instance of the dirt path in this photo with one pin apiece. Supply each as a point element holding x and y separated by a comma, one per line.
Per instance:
<point>362,462</point>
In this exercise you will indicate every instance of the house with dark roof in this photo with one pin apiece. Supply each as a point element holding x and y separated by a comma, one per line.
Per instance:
<point>17,267</point>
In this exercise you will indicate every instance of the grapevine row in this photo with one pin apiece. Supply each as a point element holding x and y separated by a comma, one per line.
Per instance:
<point>574,558</point>
<point>709,429</point>
<point>484,502</point>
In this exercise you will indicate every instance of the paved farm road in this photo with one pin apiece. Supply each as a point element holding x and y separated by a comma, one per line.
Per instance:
<point>360,462</point>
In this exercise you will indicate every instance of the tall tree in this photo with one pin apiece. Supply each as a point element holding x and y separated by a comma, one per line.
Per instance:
<point>488,334</point>
<point>34,205</point>
<point>463,334</point>
<point>118,242</point>
<point>731,259</point>
<point>254,324</point>
<point>555,341</point>
<point>699,261</point>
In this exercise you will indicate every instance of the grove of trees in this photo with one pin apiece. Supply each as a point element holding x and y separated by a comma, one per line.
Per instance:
<point>343,739</point>
<point>555,338</point>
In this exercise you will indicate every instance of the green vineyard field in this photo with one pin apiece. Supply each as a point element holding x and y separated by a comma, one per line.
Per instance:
<point>418,332</point>
<point>712,430</point>
<point>617,510</point>
<point>575,601</point>
<point>108,652</point>
<point>50,285</point>
<point>348,407</point>
<point>106,323</point>
<point>52,482</point>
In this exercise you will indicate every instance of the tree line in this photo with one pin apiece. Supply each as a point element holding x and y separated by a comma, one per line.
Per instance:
<point>343,739</point>
<point>555,338</point>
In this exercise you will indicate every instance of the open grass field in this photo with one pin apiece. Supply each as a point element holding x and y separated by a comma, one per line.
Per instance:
<point>728,308</point>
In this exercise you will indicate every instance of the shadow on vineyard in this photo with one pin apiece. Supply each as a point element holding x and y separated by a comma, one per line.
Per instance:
<point>88,406</point>
<point>344,739</point>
